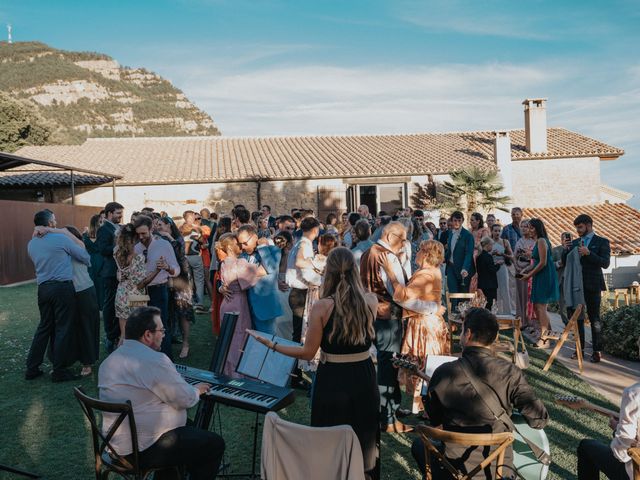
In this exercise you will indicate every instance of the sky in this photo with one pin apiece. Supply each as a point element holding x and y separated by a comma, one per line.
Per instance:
<point>276,67</point>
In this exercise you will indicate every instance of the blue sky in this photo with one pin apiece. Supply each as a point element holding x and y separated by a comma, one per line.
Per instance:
<point>275,67</point>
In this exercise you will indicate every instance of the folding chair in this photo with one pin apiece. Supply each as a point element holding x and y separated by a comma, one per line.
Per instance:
<point>572,327</point>
<point>500,440</point>
<point>107,460</point>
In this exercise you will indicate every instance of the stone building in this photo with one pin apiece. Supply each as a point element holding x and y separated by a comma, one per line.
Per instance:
<point>540,167</point>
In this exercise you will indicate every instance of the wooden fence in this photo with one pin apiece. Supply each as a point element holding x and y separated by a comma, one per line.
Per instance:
<point>16,221</point>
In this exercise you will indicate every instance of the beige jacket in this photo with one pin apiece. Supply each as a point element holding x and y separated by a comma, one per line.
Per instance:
<point>294,452</point>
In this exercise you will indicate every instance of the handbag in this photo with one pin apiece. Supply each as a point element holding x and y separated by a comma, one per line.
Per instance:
<point>490,399</point>
<point>138,300</point>
<point>522,358</point>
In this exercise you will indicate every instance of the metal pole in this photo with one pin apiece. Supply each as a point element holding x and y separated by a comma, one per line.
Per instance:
<point>73,189</point>
<point>258,194</point>
<point>113,189</point>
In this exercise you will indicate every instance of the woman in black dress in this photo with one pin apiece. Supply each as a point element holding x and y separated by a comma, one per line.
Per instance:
<point>345,391</point>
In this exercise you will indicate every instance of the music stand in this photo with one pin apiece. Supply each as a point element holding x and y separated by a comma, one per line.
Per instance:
<point>204,412</point>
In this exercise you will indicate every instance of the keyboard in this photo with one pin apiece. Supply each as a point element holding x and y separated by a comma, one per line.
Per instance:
<point>242,393</point>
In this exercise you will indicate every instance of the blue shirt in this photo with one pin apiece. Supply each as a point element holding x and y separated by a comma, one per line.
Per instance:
<point>586,240</point>
<point>512,234</point>
<point>51,255</point>
<point>359,250</point>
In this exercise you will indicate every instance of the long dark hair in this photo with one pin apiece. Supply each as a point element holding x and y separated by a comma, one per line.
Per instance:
<point>224,226</point>
<point>353,322</point>
<point>175,233</point>
<point>538,226</point>
<point>478,217</point>
<point>125,241</point>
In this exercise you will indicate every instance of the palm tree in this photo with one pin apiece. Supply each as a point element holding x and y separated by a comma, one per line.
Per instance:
<point>470,190</point>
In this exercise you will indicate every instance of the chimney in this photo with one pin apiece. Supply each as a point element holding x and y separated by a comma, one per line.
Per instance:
<point>535,124</point>
<point>502,154</point>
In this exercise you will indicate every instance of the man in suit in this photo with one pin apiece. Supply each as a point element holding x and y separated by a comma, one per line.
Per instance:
<point>459,256</point>
<point>595,254</point>
<point>442,235</point>
<point>266,213</point>
<point>263,296</point>
<point>105,242</point>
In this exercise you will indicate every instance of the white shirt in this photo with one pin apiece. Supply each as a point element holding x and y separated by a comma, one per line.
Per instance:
<point>401,271</point>
<point>455,235</point>
<point>627,433</point>
<point>159,395</point>
<point>158,247</point>
<point>299,277</point>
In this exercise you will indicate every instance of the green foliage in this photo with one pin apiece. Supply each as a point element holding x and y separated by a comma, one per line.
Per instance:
<point>28,66</point>
<point>621,332</point>
<point>473,189</point>
<point>20,125</point>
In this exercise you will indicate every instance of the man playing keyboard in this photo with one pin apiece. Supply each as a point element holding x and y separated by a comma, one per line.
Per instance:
<point>139,372</point>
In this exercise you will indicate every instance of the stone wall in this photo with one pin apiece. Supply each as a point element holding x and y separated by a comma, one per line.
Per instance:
<point>556,183</point>
<point>220,197</point>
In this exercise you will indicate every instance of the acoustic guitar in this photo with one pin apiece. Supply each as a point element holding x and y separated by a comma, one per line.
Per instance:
<point>524,461</point>
<point>578,403</point>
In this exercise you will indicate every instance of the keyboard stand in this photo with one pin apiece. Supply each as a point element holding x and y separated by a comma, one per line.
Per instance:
<point>22,473</point>
<point>202,419</point>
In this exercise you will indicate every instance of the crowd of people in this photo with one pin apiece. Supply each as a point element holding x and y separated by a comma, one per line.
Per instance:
<point>348,289</point>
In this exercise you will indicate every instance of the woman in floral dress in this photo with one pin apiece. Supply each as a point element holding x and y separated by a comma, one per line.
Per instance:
<point>132,274</point>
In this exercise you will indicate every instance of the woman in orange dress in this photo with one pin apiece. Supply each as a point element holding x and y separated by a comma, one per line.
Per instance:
<point>426,332</point>
<point>479,231</point>
<point>217,257</point>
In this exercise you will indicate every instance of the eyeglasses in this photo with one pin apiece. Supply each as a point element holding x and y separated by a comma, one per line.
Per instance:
<point>159,330</point>
<point>247,242</point>
<point>403,238</point>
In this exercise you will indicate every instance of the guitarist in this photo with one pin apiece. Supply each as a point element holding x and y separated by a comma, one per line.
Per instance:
<point>453,402</point>
<point>613,460</point>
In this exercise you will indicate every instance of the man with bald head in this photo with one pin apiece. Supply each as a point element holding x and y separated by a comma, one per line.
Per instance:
<point>387,255</point>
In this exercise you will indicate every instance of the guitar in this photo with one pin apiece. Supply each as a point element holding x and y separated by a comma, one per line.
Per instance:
<point>412,367</point>
<point>577,403</point>
<point>523,458</point>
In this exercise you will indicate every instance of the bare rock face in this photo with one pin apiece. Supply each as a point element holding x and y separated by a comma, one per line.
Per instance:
<point>90,94</point>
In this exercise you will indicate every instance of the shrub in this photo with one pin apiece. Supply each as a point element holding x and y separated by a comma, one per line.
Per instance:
<point>621,331</point>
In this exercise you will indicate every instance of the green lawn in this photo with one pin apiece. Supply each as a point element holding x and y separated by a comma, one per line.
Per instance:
<point>44,431</point>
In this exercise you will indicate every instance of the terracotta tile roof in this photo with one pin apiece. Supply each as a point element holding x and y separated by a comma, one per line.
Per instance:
<point>616,221</point>
<point>218,159</point>
<point>41,179</point>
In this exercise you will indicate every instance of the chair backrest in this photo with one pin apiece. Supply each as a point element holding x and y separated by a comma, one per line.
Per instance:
<point>500,440</point>
<point>457,296</point>
<point>634,453</point>
<point>336,451</point>
<point>102,440</point>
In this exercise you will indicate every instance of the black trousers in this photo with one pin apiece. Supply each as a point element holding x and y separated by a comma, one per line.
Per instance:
<point>159,298</point>
<point>388,341</point>
<point>87,326</point>
<point>297,302</point>
<point>595,457</point>
<point>56,301</point>
<point>200,451</point>
<point>111,325</point>
<point>592,299</point>
<point>491,294</point>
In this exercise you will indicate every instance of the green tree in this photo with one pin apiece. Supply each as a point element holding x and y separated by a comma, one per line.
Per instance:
<point>470,190</point>
<point>20,125</point>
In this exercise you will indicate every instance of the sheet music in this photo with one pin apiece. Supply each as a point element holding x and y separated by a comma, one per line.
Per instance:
<point>264,364</point>
<point>434,361</point>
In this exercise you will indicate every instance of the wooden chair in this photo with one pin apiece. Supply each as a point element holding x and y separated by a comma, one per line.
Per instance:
<point>634,453</point>
<point>620,292</point>
<point>454,321</point>
<point>500,440</point>
<point>106,459</point>
<point>509,322</point>
<point>572,327</point>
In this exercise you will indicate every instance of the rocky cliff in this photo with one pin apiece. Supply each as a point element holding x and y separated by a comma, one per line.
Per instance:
<point>85,94</point>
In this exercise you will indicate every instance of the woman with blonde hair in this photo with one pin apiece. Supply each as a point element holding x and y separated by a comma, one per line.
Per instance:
<point>341,325</point>
<point>426,332</point>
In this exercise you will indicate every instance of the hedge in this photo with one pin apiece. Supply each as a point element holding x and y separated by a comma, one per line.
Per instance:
<point>621,331</point>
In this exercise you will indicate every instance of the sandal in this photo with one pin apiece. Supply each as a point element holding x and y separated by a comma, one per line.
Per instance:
<point>184,353</point>
<point>86,371</point>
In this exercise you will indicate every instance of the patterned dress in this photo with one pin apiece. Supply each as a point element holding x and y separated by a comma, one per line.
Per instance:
<point>129,277</point>
<point>426,332</point>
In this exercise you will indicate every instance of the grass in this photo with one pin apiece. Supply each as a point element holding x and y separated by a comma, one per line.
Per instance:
<point>44,431</point>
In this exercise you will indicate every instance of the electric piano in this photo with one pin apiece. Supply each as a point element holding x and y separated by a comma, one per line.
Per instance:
<point>242,393</point>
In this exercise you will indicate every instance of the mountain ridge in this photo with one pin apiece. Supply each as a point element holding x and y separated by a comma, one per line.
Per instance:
<point>76,95</point>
